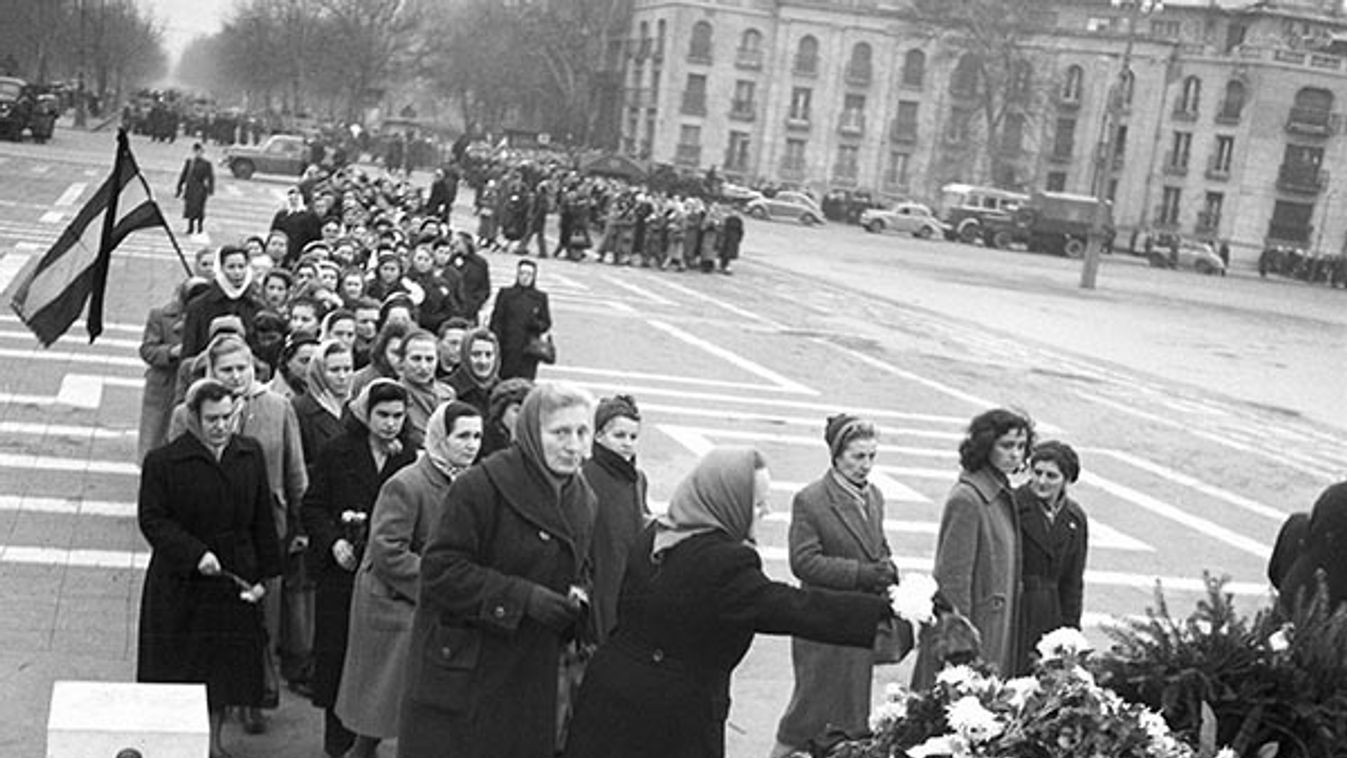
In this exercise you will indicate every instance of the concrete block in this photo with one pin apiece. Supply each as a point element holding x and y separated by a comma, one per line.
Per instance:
<point>100,719</point>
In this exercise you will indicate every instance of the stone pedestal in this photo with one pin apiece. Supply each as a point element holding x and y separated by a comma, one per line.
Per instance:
<point>100,719</point>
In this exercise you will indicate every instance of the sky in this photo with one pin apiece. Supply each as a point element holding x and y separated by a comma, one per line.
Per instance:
<point>184,20</point>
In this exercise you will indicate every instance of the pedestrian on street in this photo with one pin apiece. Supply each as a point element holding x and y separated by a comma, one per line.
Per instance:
<point>502,413</point>
<point>230,294</point>
<point>475,274</point>
<point>383,599</point>
<point>692,601</point>
<point>837,543</point>
<point>161,349</point>
<point>1054,543</point>
<point>1325,544</point>
<point>347,477</point>
<point>443,192</point>
<point>450,344</point>
<point>196,182</point>
<point>205,509</point>
<point>478,370</point>
<point>501,620</point>
<point>520,315</point>
<point>977,552</point>
<point>417,358</point>
<point>383,356</point>
<point>300,225</point>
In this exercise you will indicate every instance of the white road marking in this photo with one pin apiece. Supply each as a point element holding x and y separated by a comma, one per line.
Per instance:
<point>51,217</point>
<point>55,556</point>
<point>733,358</point>
<point>566,281</point>
<point>71,194</point>
<point>233,190</point>
<point>91,172</point>
<point>940,387</point>
<point>70,337</point>
<point>78,465</point>
<point>41,168</point>
<point>12,264</point>
<point>63,430</point>
<point>687,432</point>
<point>86,390</point>
<point>812,423</point>
<point>907,472</point>
<point>641,291</point>
<point>67,506</point>
<point>1178,515</point>
<point>107,327</point>
<point>1102,537</point>
<point>736,310</point>
<point>1194,483</point>
<point>584,371</point>
<point>60,355</point>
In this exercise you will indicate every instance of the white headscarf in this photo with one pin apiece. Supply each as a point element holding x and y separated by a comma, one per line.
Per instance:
<point>232,292</point>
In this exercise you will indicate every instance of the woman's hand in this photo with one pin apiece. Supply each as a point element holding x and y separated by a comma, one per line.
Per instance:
<point>253,594</point>
<point>344,554</point>
<point>209,564</point>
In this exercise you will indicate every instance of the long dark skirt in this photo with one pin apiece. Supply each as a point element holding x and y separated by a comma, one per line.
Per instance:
<point>332,611</point>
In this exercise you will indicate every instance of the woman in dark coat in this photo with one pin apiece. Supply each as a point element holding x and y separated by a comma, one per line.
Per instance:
<point>621,490</point>
<point>205,509</point>
<point>1054,542</point>
<point>692,601</point>
<point>478,370</point>
<point>475,277</point>
<point>731,235</point>
<point>500,618</point>
<point>161,349</point>
<point>521,313</point>
<point>195,184</point>
<point>1325,544</point>
<point>506,399</point>
<point>229,295</point>
<point>345,482</point>
<point>836,542</point>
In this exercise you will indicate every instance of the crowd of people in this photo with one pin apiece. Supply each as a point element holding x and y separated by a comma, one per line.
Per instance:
<point>353,487</point>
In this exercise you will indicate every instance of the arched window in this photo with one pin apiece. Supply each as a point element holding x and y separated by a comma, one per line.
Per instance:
<point>1312,98</point>
<point>1072,84</point>
<point>914,69</point>
<point>700,48</point>
<point>1129,85</point>
<point>1312,112</point>
<point>660,28</point>
<point>646,43</point>
<point>751,40</point>
<point>964,83</point>
<point>859,68</point>
<point>1233,104</point>
<point>806,55</point>
<point>749,54</point>
<point>1190,99</point>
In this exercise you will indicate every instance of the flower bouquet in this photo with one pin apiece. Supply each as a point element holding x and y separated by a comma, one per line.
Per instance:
<point>355,530</point>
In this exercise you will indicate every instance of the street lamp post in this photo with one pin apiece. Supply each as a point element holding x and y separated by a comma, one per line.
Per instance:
<point>81,107</point>
<point>1112,117</point>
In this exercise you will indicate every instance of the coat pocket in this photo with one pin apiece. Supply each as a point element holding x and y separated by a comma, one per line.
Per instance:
<point>388,611</point>
<point>449,656</point>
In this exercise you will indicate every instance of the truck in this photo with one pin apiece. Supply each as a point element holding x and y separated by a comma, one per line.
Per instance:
<point>1057,223</point>
<point>24,107</point>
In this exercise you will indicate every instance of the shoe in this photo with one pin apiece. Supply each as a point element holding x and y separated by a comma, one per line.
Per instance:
<point>254,722</point>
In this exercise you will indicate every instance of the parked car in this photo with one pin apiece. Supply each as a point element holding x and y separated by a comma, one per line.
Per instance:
<point>738,195</point>
<point>908,218</point>
<point>1192,254</point>
<point>795,205</point>
<point>278,154</point>
<point>22,109</point>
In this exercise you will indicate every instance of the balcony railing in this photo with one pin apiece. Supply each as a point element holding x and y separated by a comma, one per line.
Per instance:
<point>688,155</point>
<point>798,122</point>
<point>697,55</point>
<point>859,76</point>
<point>694,104</point>
<point>852,123</point>
<point>1301,179</point>
<point>806,65</point>
<point>903,131</point>
<point>1289,233</point>
<point>912,81</point>
<point>749,59</point>
<point>1060,156</point>
<point>1183,114</point>
<point>1312,122</point>
<point>743,110</point>
<point>1218,168</point>
<point>1208,222</point>
<point>1176,164</point>
<point>1068,101</point>
<point>1229,114</point>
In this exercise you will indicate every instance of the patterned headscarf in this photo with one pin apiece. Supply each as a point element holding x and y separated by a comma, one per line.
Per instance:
<point>717,496</point>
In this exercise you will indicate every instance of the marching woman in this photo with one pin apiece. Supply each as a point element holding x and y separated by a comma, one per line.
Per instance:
<point>205,509</point>
<point>229,295</point>
<point>345,482</point>
<point>384,597</point>
<point>521,313</point>
<point>501,618</point>
<point>621,490</point>
<point>836,542</point>
<point>692,601</point>
<point>1054,542</point>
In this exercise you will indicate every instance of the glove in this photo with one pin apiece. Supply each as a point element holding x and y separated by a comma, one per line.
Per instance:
<point>873,577</point>
<point>551,609</point>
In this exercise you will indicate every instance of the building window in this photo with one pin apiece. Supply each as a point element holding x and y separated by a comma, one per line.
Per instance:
<point>736,156</point>
<point>964,82</point>
<point>1312,111</point>
<point>1112,190</point>
<point>1224,155</point>
<point>1071,85</point>
<point>853,113</point>
<point>958,129</point>
<point>1056,181</point>
<point>800,98</point>
<point>793,160</point>
<point>749,54</point>
<point>660,28</point>
<point>742,106</point>
<point>895,173</point>
<point>694,95</point>
<point>1167,29</point>
<point>1099,24</point>
<point>699,50</point>
<point>1234,35</point>
<point>689,150</point>
<point>1064,138</point>
<point>806,56</point>
<point>1190,98</point>
<point>859,67</point>
<point>1233,104</point>
<point>1119,145</point>
<point>1209,218</point>
<point>905,123</point>
<point>1169,206</point>
<point>914,69</point>
<point>1180,148</point>
<point>848,162</point>
<point>1291,222</point>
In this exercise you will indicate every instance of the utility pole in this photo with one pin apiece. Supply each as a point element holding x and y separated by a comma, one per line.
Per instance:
<point>81,106</point>
<point>1089,271</point>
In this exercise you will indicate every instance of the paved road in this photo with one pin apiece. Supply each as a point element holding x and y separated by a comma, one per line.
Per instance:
<point>1181,476</point>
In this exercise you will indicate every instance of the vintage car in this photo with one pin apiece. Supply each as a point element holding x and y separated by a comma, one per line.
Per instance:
<point>278,154</point>
<point>793,205</point>
<point>1192,254</point>
<point>906,218</point>
<point>22,109</point>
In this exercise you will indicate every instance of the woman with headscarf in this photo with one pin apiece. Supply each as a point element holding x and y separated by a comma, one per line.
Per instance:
<point>505,579</point>
<point>384,596</point>
<point>1054,542</point>
<point>383,356</point>
<point>161,349</point>
<point>621,490</point>
<point>693,598</point>
<point>1325,542</point>
<point>836,542</point>
<point>346,481</point>
<point>520,314</point>
<point>229,295</point>
<point>205,509</point>
<point>478,370</point>
<point>417,359</point>
<point>977,551</point>
<point>506,400</point>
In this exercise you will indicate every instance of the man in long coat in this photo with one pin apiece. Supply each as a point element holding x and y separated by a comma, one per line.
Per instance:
<point>195,184</point>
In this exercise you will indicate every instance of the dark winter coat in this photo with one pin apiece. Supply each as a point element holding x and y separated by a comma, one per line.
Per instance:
<point>1325,544</point>
<point>343,479</point>
<point>1288,547</point>
<point>731,235</point>
<point>482,675</point>
<point>1052,570</point>
<point>317,427</point>
<point>301,227</point>
<point>443,192</point>
<point>621,491</point>
<point>163,331</point>
<point>520,314</point>
<point>210,305</point>
<point>195,184</point>
<point>440,302</point>
<point>195,628</point>
<point>476,283</point>
<point>467,389</point>
<point>660,687</point>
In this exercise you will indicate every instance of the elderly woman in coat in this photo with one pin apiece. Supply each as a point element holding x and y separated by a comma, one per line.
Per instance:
<point>521,313</point>
<point>503,584</point>
<point>977,553</point>
<point>1055,541</point>
<point>205,509</point>
<point>836,542</point>
<point>384,596</point>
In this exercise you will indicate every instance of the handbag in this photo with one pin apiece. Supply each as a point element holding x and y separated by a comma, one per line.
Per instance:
<point>893,641</point>
<point>541,347</point>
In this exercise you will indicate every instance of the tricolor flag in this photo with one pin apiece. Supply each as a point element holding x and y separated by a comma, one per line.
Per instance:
<point>75,270</point>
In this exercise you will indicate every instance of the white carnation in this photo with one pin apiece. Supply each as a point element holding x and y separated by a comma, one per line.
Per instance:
<point>911,599</point>
<point>935,746</point>
<point>887,713</point>
<point>1062,642</point>
<point>956,676</point>
<point>1226,752</point>
<point>971,720</point>
<point>1280,640</point>
<point>1021,689</point>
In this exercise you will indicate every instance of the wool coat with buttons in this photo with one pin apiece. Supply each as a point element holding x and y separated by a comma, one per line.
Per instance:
<point>1052,567</point>
<point>482,676</point>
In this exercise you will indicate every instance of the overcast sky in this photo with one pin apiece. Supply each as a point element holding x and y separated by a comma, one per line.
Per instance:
<point>185,19</point>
